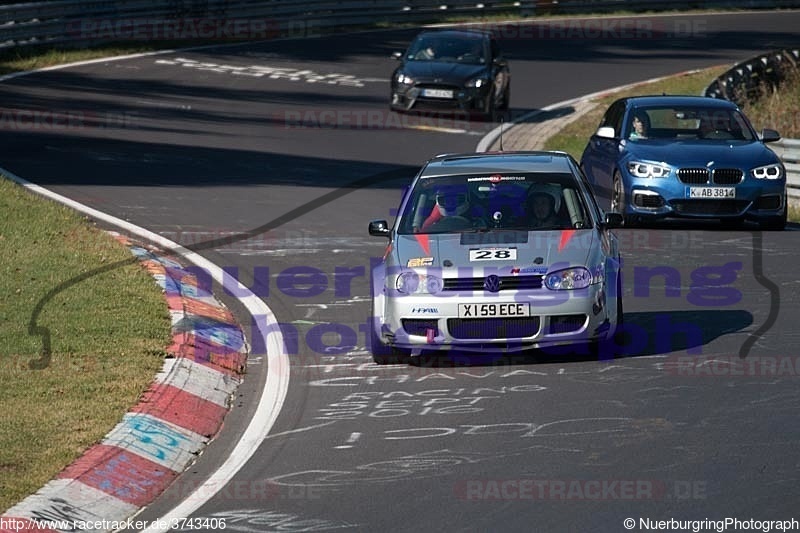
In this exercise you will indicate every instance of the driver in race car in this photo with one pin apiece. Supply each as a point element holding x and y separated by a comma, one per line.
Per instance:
<point>449,203</point>
<point>542,205</point>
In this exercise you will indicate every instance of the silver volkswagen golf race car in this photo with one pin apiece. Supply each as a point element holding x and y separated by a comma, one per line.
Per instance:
<point>495,252</point>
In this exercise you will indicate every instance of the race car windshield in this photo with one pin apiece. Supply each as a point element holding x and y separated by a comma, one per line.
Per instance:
<point>520,202</point>
<point>427,48</point>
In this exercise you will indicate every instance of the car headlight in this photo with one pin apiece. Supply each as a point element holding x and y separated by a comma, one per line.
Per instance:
<point>477,82</point>
<point>648,170</point>
<point>414,283</point>
<point>768,172</point>
<point>568,279</point>
<point>403,78</point>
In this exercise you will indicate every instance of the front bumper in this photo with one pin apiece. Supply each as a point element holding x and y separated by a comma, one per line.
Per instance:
<point>556,318</point>
<point>408,98</point>
<point>667,197</point>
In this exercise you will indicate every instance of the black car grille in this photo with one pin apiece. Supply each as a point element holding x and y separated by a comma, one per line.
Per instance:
<point>708,207</point>
<point>507,283</point>
<point>727,176</point>
<point>693,176</point>
<point>493,328</point>
<point>442,105</point>
<point>566,323</point>
<point>420,326</point>
<point>648,200</point>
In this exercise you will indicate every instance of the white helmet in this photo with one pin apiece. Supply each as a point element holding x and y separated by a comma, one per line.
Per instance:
<point>452,203</point>
<point>553,191</point>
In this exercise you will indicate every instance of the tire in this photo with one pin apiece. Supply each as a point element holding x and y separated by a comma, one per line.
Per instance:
<point>620,311</point>
<point>618,201</point>
<point>489,108</point>
<point>383,354</point>
<point>506,99</point>
<point>606,348</point>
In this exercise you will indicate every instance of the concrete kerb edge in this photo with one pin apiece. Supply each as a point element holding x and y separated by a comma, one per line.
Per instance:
<point>117,462</point>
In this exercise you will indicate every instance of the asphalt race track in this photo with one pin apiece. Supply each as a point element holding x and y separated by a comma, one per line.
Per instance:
<point>292,141</point>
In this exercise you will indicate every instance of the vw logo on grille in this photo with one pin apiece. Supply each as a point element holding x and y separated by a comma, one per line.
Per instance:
<point>492,283</point>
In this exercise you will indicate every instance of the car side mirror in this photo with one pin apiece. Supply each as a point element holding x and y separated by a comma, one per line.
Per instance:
<point>379,228</point>
<point>605,132</point>
<point>614,220</point>
<point>500,61</point>
<point>397,55</point>
<point>770,136</point>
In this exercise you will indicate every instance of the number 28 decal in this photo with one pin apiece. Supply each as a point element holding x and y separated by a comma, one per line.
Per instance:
<point>493,254</point>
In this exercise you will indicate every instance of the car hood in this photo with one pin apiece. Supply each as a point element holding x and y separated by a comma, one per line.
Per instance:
<point>538,252</point>
<point>449,73</point>
<point>743,154</point>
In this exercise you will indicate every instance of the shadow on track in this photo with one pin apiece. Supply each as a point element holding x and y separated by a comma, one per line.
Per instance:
<point>645,334</point>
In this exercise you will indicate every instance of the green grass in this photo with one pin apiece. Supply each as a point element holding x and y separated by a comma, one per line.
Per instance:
<point>794,213</point>
<point>18,60</point>
<point>109,335</point>
<point>778,109</point>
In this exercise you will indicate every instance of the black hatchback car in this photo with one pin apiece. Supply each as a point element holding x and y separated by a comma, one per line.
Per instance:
<point>457,70</point>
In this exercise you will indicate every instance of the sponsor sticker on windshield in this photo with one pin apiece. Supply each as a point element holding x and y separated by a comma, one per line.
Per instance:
<point>494,178</point>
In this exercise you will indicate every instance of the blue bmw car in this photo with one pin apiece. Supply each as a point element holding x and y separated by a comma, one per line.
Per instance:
<point>655,157</point>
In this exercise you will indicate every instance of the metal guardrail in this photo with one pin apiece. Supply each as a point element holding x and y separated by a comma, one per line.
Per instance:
<point>789,152</point>
<point>745,81</point>
<point>84,23</point>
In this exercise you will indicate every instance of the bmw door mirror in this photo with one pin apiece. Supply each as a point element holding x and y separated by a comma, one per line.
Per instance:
<point>614,220</point>
<point>605,132</point>
<point>379,228</point>
<point>397,55</point>
<point>770,136</point>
